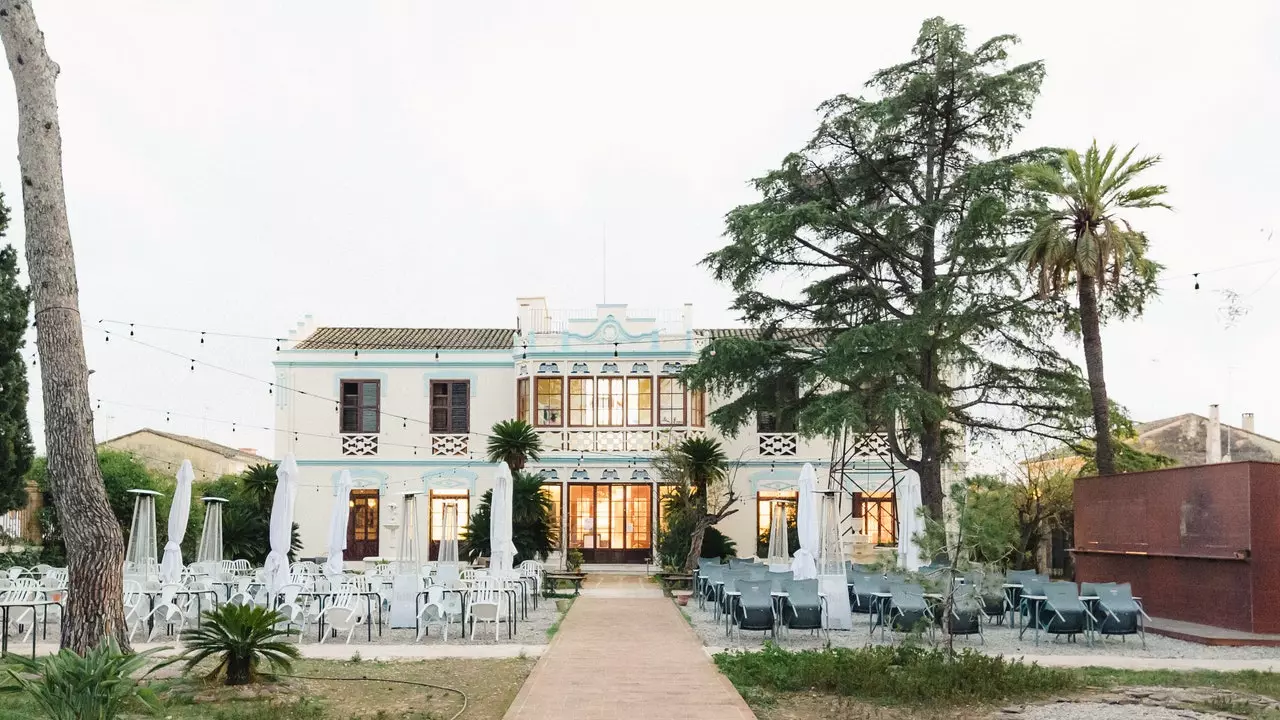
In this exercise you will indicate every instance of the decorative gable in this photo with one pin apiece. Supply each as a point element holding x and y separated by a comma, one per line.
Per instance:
<point>580,369</point>
<point>672,368</point>
<point>548,368</point>
<point>640,368</point>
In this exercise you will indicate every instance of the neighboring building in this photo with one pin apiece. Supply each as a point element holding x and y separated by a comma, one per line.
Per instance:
<point>1193,439</point>
<point>164,452</point>
<point>1190,439</point>
<point>601,388</point>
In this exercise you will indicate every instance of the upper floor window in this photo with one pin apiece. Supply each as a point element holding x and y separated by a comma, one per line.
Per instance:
<point>697,408</point>
<point>522,399</point>
<point>582,401</point>
<point>639,401</point>
<point>360,406</point>
<point>549,401</point>
<point>450,406</point>
<point>609,401</point>
<point>670,401</point>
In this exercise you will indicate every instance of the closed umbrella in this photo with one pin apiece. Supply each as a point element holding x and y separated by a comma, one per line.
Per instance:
<point>281,529</point>
<point>804,565</point>
<point>502,550</point>
<point>179,513</point>
<point>338,525</point>
<point>908,499</point>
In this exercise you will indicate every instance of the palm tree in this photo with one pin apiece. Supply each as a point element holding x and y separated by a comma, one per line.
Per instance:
<point>532,521</point>
<point>704,463</point>
<point>515,443</point>
<point>1082,239</point>
<point>260,484</point>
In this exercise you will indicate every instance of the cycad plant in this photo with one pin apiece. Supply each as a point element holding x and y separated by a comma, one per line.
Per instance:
<point>1080,237</point>
<point>515,443</point>
<point>241,637</point>
<point>99,685</point>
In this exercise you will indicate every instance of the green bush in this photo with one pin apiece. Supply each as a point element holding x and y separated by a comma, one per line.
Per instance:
<point>532,522</point>
<point>99,685</point>
<point>904,674</point>
<point>676,533</point>
<point>241,637</point>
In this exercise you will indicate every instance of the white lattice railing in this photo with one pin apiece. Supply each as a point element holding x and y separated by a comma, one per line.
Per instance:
<point>451,445</point>
<point>619,441</point>
<point>360,445</point>
<point>871,445</point>
<point>11,524</point>
<point>778,444</point>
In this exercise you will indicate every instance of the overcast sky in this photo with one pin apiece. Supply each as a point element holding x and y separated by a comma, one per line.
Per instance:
<point>234,167</point>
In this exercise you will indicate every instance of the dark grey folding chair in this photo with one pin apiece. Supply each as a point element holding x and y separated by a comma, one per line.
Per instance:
<point>1063,613</point>
<point>802,608</point>
<point>861,596</point>
<point>1118,612</point>
<point>754,607</point>
<point>966,613</point>
<point>908,608</point>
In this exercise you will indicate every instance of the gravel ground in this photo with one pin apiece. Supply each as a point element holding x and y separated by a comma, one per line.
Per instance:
<point>532,631</point>
<point>999,640</point>
<point>1100,711</point>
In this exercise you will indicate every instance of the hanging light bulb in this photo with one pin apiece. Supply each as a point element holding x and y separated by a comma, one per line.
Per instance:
<point>615,349</point>
<point>130,329</point>
<point>357,351</point>
<point>193,364</point>
<point>1197,277</point>
<point>277,344</point>
<point>269,388</point>
<point>437,354</point>
<point>201,337</point>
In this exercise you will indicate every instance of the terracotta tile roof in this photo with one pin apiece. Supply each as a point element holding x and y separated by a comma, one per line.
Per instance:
<point>790,333</point>
<point>369,338</point>
<point>223,450</point>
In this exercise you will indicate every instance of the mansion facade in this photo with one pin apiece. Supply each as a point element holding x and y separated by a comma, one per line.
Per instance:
<point>409,411</point>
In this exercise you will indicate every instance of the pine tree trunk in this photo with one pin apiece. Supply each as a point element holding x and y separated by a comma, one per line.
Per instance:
<point>95,550</point>
<point>1091,330</point>
<point>931,495</point>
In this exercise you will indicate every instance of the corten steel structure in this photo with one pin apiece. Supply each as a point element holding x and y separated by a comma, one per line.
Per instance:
<point>1199,544</point>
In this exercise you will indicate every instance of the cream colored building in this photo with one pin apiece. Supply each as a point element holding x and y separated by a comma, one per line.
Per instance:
<point>164,451</point>
<point>408,410</point>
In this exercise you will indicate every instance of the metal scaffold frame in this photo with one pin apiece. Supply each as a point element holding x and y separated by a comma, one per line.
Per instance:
<point>858,465</point>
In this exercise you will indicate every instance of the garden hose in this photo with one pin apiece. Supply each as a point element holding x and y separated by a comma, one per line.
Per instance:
<point>388,680</point>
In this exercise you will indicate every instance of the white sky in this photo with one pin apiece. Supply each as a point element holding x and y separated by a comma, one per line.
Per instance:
<point>407,163</point>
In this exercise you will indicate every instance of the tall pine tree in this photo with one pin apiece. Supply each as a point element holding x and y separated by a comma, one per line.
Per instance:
<point>16,450</point>
<point>888,236</point>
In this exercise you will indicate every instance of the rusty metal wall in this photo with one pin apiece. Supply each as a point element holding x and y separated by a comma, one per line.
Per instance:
<point>1200,544</point>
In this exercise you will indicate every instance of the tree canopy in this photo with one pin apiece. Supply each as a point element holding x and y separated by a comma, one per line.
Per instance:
<point>898,218</point>
<point>16,448</point>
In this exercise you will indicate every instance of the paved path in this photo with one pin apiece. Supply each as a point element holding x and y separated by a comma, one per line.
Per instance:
<point>624,651</point>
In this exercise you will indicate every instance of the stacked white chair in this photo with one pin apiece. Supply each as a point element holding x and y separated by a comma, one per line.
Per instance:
<point>486,604</point>
<point>440,609</point>
<point>22,590</point>
<point>169,611</point>
<point>344,613</point>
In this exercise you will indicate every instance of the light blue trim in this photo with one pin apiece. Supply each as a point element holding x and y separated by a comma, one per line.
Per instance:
<point>449,480</point>
<point>398,351</point>
<point>383,383</point>
<point>443,375</point>
<point>619,335</point>
<point>361,478</point>
<point>398,364</point>
<point>351,462</point>
<point>571,353</point>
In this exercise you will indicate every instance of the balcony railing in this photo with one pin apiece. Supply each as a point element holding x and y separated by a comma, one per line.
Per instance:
<point>451,445</point>
<point>619,441</point>
<point>778,444</point>
<point>360,445</point>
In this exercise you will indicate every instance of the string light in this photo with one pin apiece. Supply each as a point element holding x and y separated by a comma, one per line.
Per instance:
<point>201,337</point>
<point>1197,277</point>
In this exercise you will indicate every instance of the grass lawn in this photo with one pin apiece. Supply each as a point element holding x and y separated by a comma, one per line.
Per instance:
<point>490,686</point>
<point>891,684</point>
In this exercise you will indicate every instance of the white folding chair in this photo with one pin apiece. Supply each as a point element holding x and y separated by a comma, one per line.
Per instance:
<point>168,611</point>
<point>485,604</point>
<point>294,611</point>
<point>438,611</point>
<point>344,612</point>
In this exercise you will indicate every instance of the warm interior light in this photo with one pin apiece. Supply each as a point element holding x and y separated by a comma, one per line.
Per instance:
<point>373,502</point>
<point>351,503</point>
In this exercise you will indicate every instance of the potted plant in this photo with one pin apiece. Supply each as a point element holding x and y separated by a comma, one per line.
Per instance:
<point>573,560</point>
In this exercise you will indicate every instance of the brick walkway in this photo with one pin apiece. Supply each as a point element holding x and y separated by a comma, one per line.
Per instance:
<point>624,651</point>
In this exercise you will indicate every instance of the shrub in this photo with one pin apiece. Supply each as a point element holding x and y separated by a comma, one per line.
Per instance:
<point>532,522</point>
<point>242,636</point>
<point>895,674</point>
<point>98,685</point>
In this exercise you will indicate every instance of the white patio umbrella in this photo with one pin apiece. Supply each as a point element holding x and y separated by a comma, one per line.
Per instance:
<point>449,535</point>
<point>804,564</point>
<point>909,523</point>
<point>338,525</point>
<point>179,514</point>
<point>502,550</point>
<point>281,528</point>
